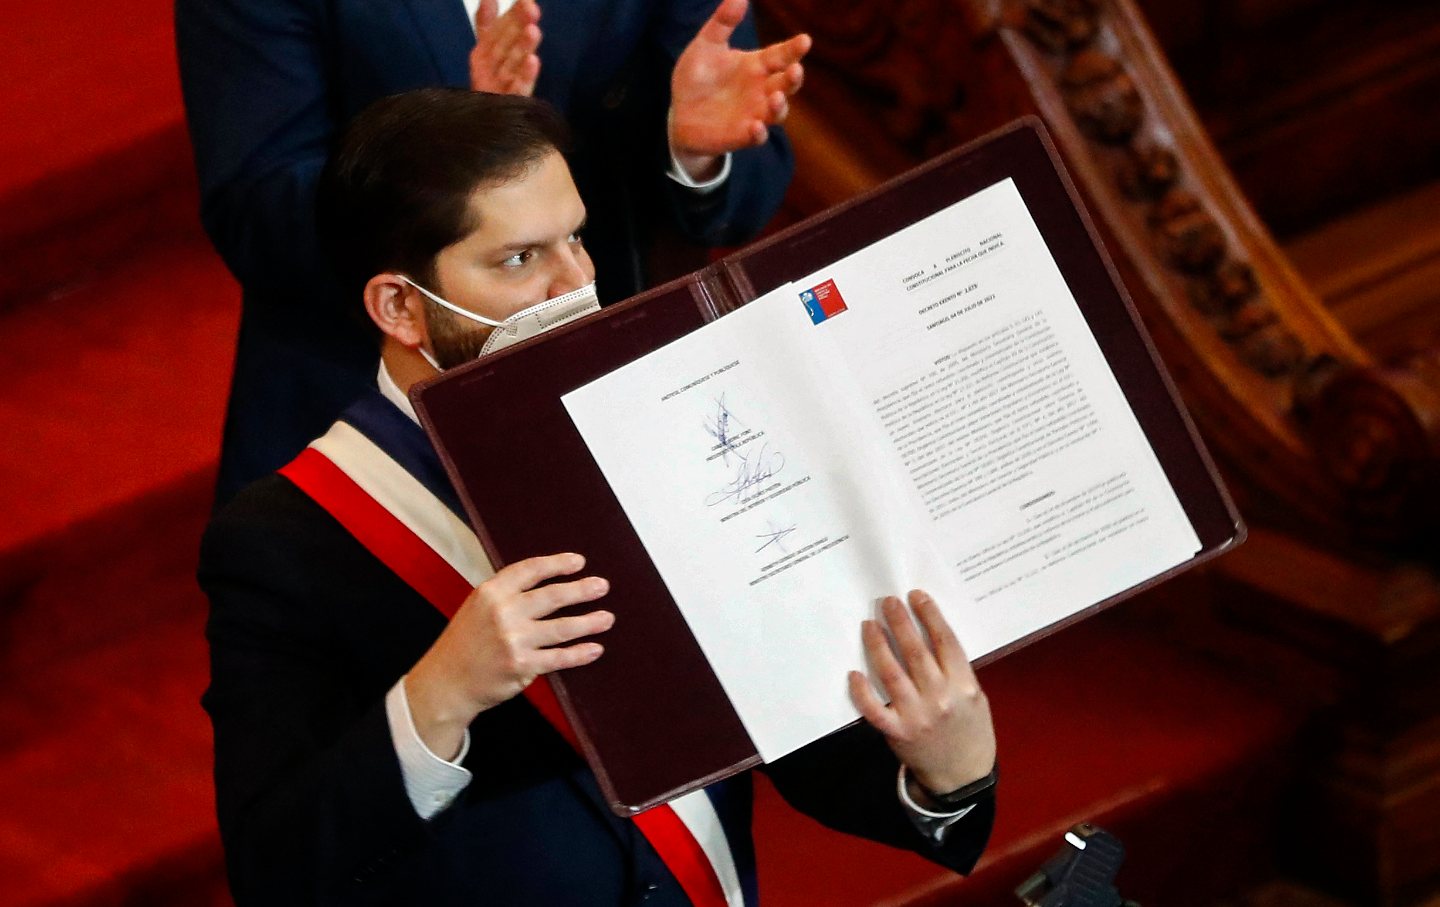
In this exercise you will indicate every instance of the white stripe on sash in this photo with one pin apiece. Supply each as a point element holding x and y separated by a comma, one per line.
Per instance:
<point>698,813</point>
<point>400,493</point>
<point>403,496</point>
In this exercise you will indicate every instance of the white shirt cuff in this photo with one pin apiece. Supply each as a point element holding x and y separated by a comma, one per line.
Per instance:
<point>431,783</point>
<point>678,174</point>
<point>933,825</point>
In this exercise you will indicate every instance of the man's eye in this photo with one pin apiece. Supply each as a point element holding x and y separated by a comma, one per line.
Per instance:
<point>576,238</point>
<point>518,260</point>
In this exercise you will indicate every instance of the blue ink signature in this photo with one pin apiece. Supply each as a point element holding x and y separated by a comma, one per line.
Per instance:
<point>774,537</point>
<point>719,429</point>
<point>751,470</point>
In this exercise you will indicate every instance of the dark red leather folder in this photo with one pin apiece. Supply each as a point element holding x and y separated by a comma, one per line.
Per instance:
<point>652,718</point>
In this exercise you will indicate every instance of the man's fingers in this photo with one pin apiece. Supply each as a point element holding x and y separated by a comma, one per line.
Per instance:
<point>549,599</point>
<point>528,75</point>
<point>550,660</point>
<point>486,15</point>
<point>531,572</point>
<point>871,708</point>
<point>951,654</point>
<point>723,22</point>
<point>787,81</point>
<point>517,26</point>
<point>560,630</point>
<point>920,662</point>
<point>530,38</point>
<point>888,669</point>
<point>508,69</point>
<point>783,54</point>
<point>519,17</point>
<point>501,46</point>
<point>779,106</point>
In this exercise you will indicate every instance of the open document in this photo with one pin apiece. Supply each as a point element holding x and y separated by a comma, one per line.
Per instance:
<point>931,411</point>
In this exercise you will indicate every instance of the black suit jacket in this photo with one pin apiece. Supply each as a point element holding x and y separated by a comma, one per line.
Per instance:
<point>268,86</point>
<point>308,631</point>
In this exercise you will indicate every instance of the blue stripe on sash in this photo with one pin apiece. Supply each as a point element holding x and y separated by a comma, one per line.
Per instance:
<point>406,443</point>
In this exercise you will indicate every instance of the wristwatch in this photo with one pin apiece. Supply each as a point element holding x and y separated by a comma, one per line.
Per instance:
<point>964,795</point>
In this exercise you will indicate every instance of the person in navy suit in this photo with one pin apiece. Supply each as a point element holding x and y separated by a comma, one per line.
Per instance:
<point>370,752</point>
<point>659,94</point>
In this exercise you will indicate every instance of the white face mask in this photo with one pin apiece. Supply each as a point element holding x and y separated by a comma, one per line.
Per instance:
<point>537,319</point>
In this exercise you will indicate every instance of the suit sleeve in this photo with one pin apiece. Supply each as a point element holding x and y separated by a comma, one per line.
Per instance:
<point>759,176</point>
<point>847,782</point>
<point>253,77</point>
<point>311,801</point>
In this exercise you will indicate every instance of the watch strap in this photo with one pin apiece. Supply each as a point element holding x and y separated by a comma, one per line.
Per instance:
<point>963,796</point>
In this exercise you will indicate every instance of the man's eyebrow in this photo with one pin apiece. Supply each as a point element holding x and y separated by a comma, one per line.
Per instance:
<point>520,245</point>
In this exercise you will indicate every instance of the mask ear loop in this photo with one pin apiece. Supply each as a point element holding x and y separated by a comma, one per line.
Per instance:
<point>444,304</point>
<point>464,313</point>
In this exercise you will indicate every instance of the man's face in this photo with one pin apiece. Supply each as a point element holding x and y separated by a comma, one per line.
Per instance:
<point>526,250</point>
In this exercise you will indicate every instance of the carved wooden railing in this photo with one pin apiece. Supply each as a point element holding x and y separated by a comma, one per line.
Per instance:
<point>1316,435</point>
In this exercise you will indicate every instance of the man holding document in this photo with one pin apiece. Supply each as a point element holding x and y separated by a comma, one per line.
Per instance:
<point>367,749</point>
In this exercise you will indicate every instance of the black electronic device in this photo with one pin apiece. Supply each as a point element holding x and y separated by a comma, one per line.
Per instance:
<point>1082,874</point>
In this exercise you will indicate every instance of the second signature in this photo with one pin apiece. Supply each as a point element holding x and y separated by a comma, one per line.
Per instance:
<point>749,471</point>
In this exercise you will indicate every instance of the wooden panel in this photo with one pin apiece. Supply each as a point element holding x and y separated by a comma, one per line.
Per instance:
<point>1348,89</point>
<point>1379,272</point>
<point>1257,355</point>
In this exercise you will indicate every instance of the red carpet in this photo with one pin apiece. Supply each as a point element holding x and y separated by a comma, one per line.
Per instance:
<point>107,780</point>
<point>117,393</point>
<point>117,327</point>
<point>95,159</point>
<point>116,396</point>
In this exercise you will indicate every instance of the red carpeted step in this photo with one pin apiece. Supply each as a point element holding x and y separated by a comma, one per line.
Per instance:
<point>114,394</point>
<point>112,404</point>
<point>1099,723</point>
<point>105,776</point>
<point>95,160</point>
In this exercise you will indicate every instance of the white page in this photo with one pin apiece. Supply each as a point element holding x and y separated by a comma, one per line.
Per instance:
<point>740,465</point>
<point>1003,414</point>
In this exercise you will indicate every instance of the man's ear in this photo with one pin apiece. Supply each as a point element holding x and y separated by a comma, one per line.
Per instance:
<point>397,309</point>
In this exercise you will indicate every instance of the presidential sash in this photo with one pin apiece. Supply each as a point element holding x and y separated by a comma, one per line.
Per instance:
<point>425,543</point>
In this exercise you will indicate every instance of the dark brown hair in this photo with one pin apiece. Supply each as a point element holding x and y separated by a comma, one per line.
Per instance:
<point>397,188</point>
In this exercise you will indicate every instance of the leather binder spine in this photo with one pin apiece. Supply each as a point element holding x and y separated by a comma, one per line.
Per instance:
<point>720,289</point>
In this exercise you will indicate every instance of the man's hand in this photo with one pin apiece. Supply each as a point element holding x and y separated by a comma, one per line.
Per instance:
<point>504,59</point>
<point>723,99</point>
<point>938,720</point>
<point>500,640</point>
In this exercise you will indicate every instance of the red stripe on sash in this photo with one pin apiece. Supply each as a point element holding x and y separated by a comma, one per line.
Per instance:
<point>408,557</point>
<point>379,530</point>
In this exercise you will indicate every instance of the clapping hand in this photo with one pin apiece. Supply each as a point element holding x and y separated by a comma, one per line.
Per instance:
<point>723,99</point>
<point>504,59</point>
